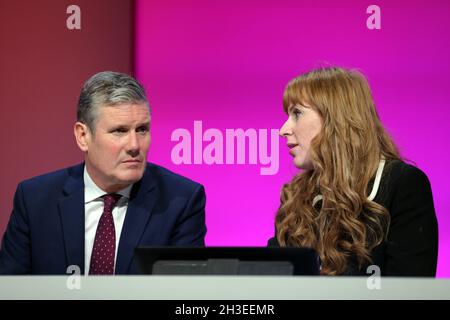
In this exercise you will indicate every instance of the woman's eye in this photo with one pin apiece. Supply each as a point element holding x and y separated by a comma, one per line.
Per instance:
<point>297,113</point>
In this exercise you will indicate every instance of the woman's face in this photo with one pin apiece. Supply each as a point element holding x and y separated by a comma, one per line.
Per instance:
<point>302,125</point>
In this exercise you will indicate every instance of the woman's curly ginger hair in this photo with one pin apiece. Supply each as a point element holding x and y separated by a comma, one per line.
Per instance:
<point>345,157</point>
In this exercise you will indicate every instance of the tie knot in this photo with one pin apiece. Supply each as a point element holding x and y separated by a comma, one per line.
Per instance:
<point>110,200</point>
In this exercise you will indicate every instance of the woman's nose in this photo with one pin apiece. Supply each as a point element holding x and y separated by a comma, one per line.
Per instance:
<point>285,129</point>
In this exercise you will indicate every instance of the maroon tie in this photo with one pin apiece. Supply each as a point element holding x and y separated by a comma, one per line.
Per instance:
<point>103,252</point>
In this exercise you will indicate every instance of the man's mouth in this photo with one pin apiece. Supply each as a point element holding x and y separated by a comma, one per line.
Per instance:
<point>132,161</point>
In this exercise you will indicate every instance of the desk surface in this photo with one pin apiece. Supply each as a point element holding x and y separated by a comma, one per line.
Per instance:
<point>219,287</point>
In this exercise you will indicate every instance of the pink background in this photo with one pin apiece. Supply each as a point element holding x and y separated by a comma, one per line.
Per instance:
<point>225,63</point>
<point>43,66</point>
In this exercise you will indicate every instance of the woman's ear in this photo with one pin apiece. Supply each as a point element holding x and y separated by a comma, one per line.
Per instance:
<point>82,135</point>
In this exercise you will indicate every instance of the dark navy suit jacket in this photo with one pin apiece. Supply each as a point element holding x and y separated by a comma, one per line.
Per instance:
<point>46,230</point>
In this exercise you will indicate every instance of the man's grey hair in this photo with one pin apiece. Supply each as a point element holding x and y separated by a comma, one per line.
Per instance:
<point>107,89</point>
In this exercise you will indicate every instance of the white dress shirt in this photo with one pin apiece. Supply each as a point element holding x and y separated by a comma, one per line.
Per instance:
<point>93,210</point>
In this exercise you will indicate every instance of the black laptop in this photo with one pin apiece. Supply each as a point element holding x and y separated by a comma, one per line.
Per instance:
<point>227,261</point>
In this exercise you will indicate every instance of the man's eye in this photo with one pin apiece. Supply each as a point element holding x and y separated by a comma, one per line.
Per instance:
<point>142,129</point>
<point>120,130</point>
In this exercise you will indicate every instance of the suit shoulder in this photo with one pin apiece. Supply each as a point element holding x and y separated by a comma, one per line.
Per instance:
<point>53,178</point>
<point>167,176</point>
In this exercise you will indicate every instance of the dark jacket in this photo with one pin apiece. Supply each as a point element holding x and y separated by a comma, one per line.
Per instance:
<point>411,248</point>
<point>46,230</point>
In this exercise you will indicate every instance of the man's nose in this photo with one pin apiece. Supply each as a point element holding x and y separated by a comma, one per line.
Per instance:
<point>133,144</point>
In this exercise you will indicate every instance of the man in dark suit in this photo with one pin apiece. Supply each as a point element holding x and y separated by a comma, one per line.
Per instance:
<point>93,215</point>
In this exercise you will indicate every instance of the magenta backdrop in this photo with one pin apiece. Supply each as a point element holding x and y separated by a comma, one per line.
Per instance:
<point>225,63</point>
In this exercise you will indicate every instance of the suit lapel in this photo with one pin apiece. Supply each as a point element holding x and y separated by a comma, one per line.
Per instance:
<point>71,210</point>
<point>142,200</point>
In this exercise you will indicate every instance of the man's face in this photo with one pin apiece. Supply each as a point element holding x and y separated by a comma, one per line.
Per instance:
<point>116,154</point>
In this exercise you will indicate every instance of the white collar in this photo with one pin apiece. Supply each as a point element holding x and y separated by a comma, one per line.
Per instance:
<point>93,192</point>
<point>376,184</point>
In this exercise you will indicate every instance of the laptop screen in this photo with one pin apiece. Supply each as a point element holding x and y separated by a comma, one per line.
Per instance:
<point>227,260</point>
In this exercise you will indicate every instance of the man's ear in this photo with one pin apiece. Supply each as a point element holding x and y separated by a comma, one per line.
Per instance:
<point>82,135</point>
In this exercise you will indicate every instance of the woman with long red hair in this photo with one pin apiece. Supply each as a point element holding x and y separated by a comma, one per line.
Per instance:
<point>355,201</point>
